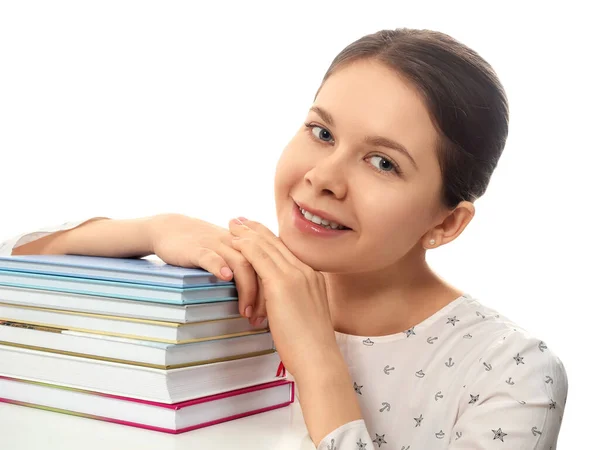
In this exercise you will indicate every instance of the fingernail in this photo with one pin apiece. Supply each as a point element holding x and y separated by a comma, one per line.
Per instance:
<point>248,311</point>
<point>242,219</point>
<point>226,272</point>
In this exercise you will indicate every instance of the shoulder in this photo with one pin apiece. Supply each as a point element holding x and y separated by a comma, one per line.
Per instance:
<point>514,361</point>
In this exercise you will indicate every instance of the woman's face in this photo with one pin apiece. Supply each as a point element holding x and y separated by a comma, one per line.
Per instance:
<point>342,163</point>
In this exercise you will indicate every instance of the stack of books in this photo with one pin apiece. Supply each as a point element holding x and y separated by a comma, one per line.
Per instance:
<point>132,341</point>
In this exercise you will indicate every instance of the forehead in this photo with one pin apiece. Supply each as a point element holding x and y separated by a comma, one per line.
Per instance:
<point>368,98</point>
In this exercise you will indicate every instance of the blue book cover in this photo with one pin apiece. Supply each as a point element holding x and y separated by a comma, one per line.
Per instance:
<point>151,272</point>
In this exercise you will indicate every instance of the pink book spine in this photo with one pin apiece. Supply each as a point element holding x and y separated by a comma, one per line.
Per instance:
<point>188,403</point>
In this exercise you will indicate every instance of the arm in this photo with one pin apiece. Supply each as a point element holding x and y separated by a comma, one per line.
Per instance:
<point>95,237</point>
<point>329,405</point>
<point>519,402</point>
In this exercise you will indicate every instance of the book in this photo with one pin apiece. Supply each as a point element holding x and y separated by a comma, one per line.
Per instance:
<point>151,330</point>
<point>150,271</point>
<point>128,291</point>
<point>119,307</point>
<point>130,351</point>
<point>169,418</point>
<point>144,383</point>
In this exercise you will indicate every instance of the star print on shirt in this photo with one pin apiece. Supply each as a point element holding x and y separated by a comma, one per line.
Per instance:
<point>418,420</point>
<point>357,388</point>
<point>552,404</point>
<point>453,320</point>
<point>498,434</point>
<point>360,445</point>
<point>474,398</point>
<point>410,331</point>
<point>518,359</point>
<point>379,439</point>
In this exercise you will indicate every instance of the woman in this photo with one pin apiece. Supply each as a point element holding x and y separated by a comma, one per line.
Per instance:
<point>402,138</point>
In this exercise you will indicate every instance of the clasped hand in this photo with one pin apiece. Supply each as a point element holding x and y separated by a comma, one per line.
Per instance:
<point>295,297</point>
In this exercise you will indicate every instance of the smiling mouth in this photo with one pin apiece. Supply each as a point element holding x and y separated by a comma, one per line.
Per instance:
<point>327,224</point>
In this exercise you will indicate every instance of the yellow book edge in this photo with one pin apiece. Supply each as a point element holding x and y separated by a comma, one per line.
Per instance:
<point>137,363</point>
<point>136,337</point>
<point>119,318</point>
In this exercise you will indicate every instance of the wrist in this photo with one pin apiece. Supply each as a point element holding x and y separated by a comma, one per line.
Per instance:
<point>152,229</point>
<point>322,367</point>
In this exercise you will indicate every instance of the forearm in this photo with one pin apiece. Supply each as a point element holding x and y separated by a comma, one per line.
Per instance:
<point>327,398</point>
<point>101,237</point>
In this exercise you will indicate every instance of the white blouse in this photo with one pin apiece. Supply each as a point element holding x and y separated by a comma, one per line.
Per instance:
<point>466,377</point>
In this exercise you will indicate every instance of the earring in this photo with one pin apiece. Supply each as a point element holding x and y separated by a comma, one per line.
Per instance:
<point>432,242</point>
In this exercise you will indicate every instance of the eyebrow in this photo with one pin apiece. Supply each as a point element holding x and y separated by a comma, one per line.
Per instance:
<point>378,141</point>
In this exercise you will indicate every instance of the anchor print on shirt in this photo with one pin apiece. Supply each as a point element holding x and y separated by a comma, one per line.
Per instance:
<point>510,381</point>
<point>438,395</point>
<point>357,388</point>
<point>468,336</point>
<point>498,434</point>
<point>420,374</point>
<point>458,435</point>
<point>440,434</point>
<point>430,340</point>
<point>410,332</point>
<point>542,346</point>
<point>332,446</point>
<point>388,369</point>
<point>452,320</point>
<point>488,367</point>
<point>477,313</point>
<point>549,380</point>
<point>360,445</point>
<point>449,363</point>
<point>379,440</point>
<point>535,431</point>
<point>386,405</point>
<point>418,420</point>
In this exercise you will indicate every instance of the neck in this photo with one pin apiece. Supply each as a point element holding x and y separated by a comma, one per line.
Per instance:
<point>387,301</point>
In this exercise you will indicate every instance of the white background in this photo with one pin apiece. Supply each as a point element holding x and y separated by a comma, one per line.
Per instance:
<point>128,109</point>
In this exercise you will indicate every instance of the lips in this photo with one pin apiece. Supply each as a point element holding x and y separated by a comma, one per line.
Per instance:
<point>322,214</point>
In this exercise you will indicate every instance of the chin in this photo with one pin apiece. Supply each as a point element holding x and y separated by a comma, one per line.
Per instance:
<point>319,261</point>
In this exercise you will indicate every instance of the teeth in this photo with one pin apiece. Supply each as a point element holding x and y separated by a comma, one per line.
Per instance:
<point>316,219</point>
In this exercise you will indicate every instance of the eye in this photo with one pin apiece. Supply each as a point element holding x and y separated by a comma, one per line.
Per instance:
<point>383,164</point>
<point>320,133</point>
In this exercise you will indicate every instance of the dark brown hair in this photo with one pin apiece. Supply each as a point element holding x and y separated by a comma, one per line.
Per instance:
<point>465,99</point>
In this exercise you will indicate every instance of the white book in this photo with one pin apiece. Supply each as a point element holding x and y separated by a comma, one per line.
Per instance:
<point>169,418</point>
<point>165,386</point>
<point>131,351</point>
<point>119,307</point>
<point>143,329</point>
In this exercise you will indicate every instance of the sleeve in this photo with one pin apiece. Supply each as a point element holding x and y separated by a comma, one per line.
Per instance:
<point>9,245</point>
<point>517,396</point>
<point>352,435</point>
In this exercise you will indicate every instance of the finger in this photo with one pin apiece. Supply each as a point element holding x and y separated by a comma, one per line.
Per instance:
<point>245,278</point>
<point>274,240</point>
<point>210,261</point>
<point>266,259</point>
<point>261,306</point>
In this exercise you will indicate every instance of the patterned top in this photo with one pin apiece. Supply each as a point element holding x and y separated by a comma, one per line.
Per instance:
<point>464,378</point>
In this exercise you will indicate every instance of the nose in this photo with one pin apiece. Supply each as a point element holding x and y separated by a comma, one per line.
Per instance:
<point>328,176</point>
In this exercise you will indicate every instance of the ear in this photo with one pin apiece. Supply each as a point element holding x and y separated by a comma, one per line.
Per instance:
<point>451,227</point>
